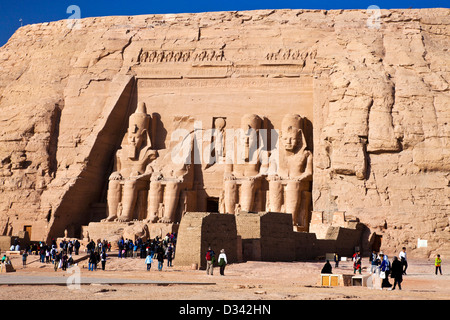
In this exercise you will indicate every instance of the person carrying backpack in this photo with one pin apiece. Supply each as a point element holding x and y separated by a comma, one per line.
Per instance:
<point>210,258</point>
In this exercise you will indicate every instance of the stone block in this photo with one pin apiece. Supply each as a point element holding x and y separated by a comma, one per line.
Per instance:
<point>200,230</point>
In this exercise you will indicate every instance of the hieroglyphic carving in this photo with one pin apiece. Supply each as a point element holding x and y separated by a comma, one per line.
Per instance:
<point>303,83</point>
<point>160,56</point>
<point>289,54</point>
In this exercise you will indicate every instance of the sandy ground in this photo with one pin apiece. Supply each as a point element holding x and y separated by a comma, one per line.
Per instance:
<point>242,281</point>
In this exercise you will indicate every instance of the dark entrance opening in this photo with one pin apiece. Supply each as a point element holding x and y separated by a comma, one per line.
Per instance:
<point>212,204</point>
<point>376,244</point>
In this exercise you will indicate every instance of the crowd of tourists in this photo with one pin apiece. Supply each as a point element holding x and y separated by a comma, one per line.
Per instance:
<point>50,254</point>
<point>382,266</point>
<point>158,248</point>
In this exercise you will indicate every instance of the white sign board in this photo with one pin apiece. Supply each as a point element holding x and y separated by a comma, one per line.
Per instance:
<point>422,243</point>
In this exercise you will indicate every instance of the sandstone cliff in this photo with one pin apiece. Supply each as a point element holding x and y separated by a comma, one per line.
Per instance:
<point>380,111</point>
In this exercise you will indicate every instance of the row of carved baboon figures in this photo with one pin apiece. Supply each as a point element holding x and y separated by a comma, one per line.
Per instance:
<point>181,56</point>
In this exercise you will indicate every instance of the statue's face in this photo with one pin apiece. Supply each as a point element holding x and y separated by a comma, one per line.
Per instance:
<point>248,137</point>
<point>135,136</point>
<point>290,139</point>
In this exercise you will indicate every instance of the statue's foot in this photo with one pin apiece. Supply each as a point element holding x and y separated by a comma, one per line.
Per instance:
<point>122,219</point>
<point>152,219</point>
<point>165,220</point>
<point>112,218</point>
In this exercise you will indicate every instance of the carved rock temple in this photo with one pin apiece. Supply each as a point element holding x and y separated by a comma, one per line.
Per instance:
<point>307,128</point>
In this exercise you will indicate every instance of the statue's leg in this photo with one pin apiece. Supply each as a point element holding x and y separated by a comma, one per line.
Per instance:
<point>305,209</point>
<point>114,197</point>
<point>170,202</point>
<point>230,195</point>
<point>128,200</point>
<point>275,196</point>
<point>293,198</point>
<point>155,197</point>
<point>247,195</point>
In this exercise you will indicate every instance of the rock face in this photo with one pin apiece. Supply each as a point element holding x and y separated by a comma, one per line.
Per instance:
<point>375,102</point>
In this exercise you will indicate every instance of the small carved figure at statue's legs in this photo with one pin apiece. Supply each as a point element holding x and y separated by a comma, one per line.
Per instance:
<point>128,200</point>
<point>293,198</point>
<point>170,202</point>
<point>247,195</point>
<point>275,196</point>
<point>230,196</point>
<point>114,198</point>
<point>155,197</point>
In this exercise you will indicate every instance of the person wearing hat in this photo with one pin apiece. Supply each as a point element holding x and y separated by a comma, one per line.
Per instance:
<point>222,261</point>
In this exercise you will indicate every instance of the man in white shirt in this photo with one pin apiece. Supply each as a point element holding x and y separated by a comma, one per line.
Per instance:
<point>402,257</point>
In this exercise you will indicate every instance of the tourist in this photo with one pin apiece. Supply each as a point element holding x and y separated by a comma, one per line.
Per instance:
<point>90,247</point>
<point>149,261</point>
<point>437,264</point>
<point>384,271</point>
<point>77,246</point>
<point>374,261</point>
<point>64,261</point>
<point>210,257</point>
<point>357,262</point>
<point>222,261</point>
<point>103,258</point>
<point>69,261</point>
<point>135,249</point>
<point>5,261</point>
<point>120,245</point>
<point>160,256</point>
<point>327,268</point>
<point>57,261</point>
<point>53,254</point>
<point>42,255</point>
<point>404,262</point>
<point>70,247</point>
<point>397,273</point>
<point>24,258</point>
<point>336,260</point>
<point>142,248</point>
<point>92,261</point>
<point>169,255</point>
<point>97,259</point>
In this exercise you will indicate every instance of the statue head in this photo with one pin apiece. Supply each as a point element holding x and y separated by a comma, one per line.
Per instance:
<point>291,134</point>
<point>250,121</point>
<point>248,140</point>
<point>219,123</point>
<point>137,130</point>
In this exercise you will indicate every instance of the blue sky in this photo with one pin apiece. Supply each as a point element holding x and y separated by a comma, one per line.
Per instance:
<point>37,11</point>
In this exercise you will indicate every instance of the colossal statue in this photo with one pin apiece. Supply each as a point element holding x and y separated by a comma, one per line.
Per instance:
<point>131,167</point>
<point>291,173</point>
<point>170,174</point>
<point>242,167</point>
